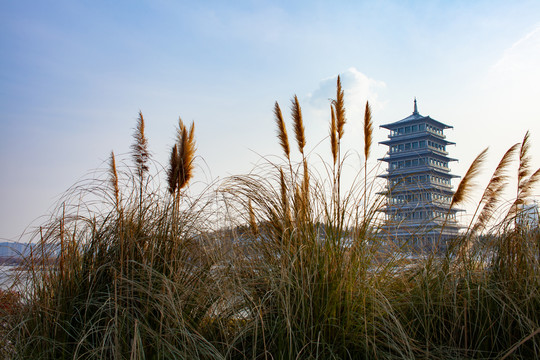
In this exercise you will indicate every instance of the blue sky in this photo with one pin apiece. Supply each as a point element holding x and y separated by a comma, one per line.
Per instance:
<point>74,74</point>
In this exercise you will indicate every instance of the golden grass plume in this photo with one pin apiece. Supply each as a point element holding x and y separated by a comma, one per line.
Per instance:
<point>467,183</point>
<point>298,124</point>
<point>368,131</point>
<point>333,135</point>
<point>493,192</point>
<point>282,131</point>
<point>339,105</point>
<point>114,180</point>
<point>182,155</point>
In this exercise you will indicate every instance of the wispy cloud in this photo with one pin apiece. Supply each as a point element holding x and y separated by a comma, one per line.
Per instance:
<point>521,59</point>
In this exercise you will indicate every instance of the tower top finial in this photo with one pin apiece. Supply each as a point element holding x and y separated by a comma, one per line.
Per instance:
<point>415,112</point>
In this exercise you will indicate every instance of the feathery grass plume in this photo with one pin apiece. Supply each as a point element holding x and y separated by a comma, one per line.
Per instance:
<point>114,181</point>
<point>526,188</point>
<point>467,183</point>
<point>339,104</point>
<point>368,139</point>
<point>333,135</point>
<point>298,124</point>
<point>252,220</point>
<point>140,148</point>
<point>140,156</point>
<point>525,185</point>
<point>172,172</point>
<point>282,131</point>
<point>368,131</point>
<point>524,161</point>
<point>186,154</point>
<point>493,192</point>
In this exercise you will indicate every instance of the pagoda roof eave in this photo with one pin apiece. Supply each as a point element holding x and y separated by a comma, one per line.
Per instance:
<point>414,118</point>
<point>412,155</point>
<point>432,171</point>
<point>397,140</point>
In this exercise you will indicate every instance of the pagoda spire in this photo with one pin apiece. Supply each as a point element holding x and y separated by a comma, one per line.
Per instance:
<point>415,112</point>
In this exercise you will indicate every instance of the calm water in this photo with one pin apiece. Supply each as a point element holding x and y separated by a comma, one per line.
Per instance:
<point>8,277</point>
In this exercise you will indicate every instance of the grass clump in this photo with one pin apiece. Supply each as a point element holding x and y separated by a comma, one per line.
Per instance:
<point>297,269</point>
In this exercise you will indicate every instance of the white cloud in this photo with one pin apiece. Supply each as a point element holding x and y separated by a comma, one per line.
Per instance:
<point>358,88</point>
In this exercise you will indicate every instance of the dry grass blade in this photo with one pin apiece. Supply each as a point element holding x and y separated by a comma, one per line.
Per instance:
<point>172,173</point>
<point>252,219</point>
<point>114,180</point>
<point>305,185</point>
<point>368,131</point>
<point>339,104</point>
<point>493,191</point>
<point>466,185</point>
<point>284,198</point>
<point>333,135</point>
<point>282,131</point>
<point>298,124</point>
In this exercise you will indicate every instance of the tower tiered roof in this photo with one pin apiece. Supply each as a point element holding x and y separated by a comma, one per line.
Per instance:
<point>419,189</point>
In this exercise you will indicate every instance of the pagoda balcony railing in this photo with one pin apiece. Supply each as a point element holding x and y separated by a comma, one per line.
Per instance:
<point>418,186</point>
<point>424,167</point>
<point>414,134</point>
<point>432,222</point>
<point>404,204</point>
<point>442,152</point>
<point>417,150</point>
<point>442,136</point>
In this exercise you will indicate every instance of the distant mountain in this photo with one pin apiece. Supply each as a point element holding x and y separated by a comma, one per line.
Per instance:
<point>14,249</point>
<point>13,252</point>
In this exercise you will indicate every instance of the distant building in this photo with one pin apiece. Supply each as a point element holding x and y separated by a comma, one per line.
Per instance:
<point>419,189</point>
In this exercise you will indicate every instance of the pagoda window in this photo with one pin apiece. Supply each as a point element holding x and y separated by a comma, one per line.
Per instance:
<point>407,129</point>
<point>400,147</point>
<point>415,145</point>
<point>414,128</point>
<point>408,146</point>
<point>421,127</point>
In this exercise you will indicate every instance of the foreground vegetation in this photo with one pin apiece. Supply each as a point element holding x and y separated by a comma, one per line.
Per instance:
<point>279,264</point>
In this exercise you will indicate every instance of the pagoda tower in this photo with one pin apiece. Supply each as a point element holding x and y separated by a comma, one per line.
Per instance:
<point>419,189</point>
